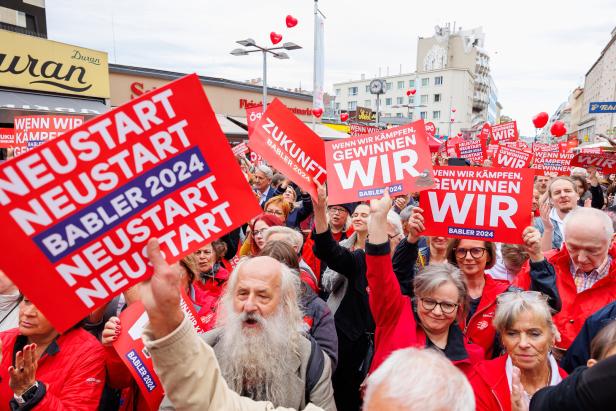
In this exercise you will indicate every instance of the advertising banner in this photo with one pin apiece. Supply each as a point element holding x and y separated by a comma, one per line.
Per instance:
<point>552,163</point>
<point>602,107</point>
<point>492,204</point>
<point>290,146</point>
<point>472,150</point>
<point>511,158</point>
<point>7,137</point>
<point>82,207</point>
<point>397,159</point>
<point>505,132</point>
<point>604,162</point>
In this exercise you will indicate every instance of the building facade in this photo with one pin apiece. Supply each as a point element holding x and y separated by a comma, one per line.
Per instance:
<point>24,16</point>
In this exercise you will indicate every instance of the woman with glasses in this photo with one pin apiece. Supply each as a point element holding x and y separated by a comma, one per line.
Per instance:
<point>279,207</point>
<point>524,322</point>
<point>427,321</point>
<point>255,240</point>
<point>209,280</point>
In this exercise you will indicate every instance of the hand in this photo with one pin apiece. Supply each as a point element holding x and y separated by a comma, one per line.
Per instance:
<point>518,402</point>
<point>379,207</point>
<point>23,375</point>
<point>532,243</point>
<point>320,203</point>
<point>415,225</point>
<point>161,294</point>
<point>400,202</point>
<point>111,331</point>
<point>544,210</point>
<point>588,203</point>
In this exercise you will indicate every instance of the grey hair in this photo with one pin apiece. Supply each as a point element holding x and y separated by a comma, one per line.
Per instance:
<point>269,174</point>
<point>584,214</point>
<point>394,219</point>
<point>436,383</point>
<point>511,304</point>
<point>292,237</point>
<point>289,291</point>
<point>405,214</point>
<point>435,275</point>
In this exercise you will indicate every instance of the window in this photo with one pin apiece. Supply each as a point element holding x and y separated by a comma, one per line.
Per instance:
<point>424,99</point>
<point>411,116</point>
<point>388,85</point>
<point>388,101</point>
<point>436,115</point>
<point>399,100</point>
<point>437,98</point>
<point>352,91</point>
<point>352,105</point>
<point>438,80</point>
<point>411,99</point>
<point>368,88</point>
<point>411,83</point>
<point>424,115</point>
<point>366,103</point>
<point>398,115</point>
<point>400,85</point>
<point>337,92</point>
<point>425,82</point>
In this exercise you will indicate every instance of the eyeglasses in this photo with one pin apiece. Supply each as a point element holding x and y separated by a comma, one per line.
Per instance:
<point>532,296</point>
<point>337,210</point>
<point>275,212</point>
<point>258,233</point>
<point>430,304</point>
<point>476,252</point>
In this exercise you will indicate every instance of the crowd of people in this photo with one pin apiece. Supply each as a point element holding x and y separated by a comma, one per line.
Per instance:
<point>319,306</point>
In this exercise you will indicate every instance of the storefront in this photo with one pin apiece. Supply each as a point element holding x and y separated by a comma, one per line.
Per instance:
<point>228,98</point>
<point>39,76</point>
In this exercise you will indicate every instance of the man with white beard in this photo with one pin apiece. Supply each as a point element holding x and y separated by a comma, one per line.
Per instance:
<point>262,353</point>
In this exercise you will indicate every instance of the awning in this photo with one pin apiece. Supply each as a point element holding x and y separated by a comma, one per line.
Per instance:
<point>322,130</point>
<point>16,103</point>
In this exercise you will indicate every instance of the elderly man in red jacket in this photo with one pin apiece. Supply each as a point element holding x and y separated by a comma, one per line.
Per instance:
<point>585,270</point>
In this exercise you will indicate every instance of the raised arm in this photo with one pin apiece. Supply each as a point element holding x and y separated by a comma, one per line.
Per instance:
<point>542,274</point>
<point>406,253</point>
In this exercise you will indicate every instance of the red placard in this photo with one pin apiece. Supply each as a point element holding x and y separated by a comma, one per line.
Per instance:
<point>240,149</point>
<point>492,204</point>
<point>472,150</point>
<point>430,128</point>
<point>81,207</point>
<point>491,150</point>
<point>511,158</point>
<point>486,132</point>
<point>32,131</point>
<point>552,163</point>
<point>545,147</point>
<point>360,129</point>
<point>290,146</point>
<point>604,162</point>
<point>360,168</point>
<point>7,137</point>
<point>505,132</point>
<point>253,115</point>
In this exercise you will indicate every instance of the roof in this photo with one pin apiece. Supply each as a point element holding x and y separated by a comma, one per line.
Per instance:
<point>205,80</point>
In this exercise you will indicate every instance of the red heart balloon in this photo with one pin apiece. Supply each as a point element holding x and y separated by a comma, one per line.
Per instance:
<point>275,37</point>
<point>343,117</point>
<point>317,112</point>
<point>541,119</point>
<point>452,119</point>
<point>413,91</point>
<point>291,21</point>
<point>558,129</point>
<point>453,110</point>
<point>459,134</point>
<point>408,92</point>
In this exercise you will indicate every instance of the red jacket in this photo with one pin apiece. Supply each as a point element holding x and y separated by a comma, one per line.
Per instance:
<point>490,385</point>
<point>396,326</point>
<point>207,295</point>
<point>479,328</point>
<point>119,377</point>
<point>72,369</point>
<point>575,307</point>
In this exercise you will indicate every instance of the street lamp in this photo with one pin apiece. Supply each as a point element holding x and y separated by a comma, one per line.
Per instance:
<point>277,54</point>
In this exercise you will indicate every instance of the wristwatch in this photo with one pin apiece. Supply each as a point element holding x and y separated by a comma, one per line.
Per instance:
<point>26,395</point>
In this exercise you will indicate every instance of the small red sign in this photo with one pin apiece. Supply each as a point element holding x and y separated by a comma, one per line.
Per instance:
<point>511,158</point>
<point>604,162</point>
<point>552,163</point>
<point>505,132</point>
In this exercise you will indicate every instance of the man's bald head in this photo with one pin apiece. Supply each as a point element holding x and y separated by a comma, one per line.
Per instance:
<point>588,234</point>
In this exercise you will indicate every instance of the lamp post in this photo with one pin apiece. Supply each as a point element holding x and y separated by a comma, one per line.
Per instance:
<point>277,54</point>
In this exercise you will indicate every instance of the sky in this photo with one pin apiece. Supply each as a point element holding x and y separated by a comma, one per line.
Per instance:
<point>539,50</point>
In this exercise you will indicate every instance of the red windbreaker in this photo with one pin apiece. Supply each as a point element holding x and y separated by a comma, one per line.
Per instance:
<point>576,308</point>
<point>396,327</point>
<point>72,368</point>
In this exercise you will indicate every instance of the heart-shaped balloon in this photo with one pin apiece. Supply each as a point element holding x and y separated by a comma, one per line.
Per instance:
<point>408,92</point>
<point>541,119</point>
<point>452,119</point>
<point>412,91</point>
<point>275,37</point>
<point>453,110</point>
<point>459,134</point>
<point>317,112</point>
<point>558,129</point>
<point>291,21</point>
<point>344,117</point>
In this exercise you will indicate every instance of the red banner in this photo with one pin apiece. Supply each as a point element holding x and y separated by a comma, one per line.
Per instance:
<point>505,132</point>
<point>240,149</point>
<point>7,137</point>
<point>253,115</point>
<point>552,163</point>
<point>604,162</point>
<point>32,131</point>
<point>486,132</point>
<point>290,146</point>
<point>511,158</point>
<point>430,128</point>
<point>537,147</point>
<point>362,167</point>
<point>492,204</point>
<point>360,129</point>
<point>81,207</point>
<point>472,150</point>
